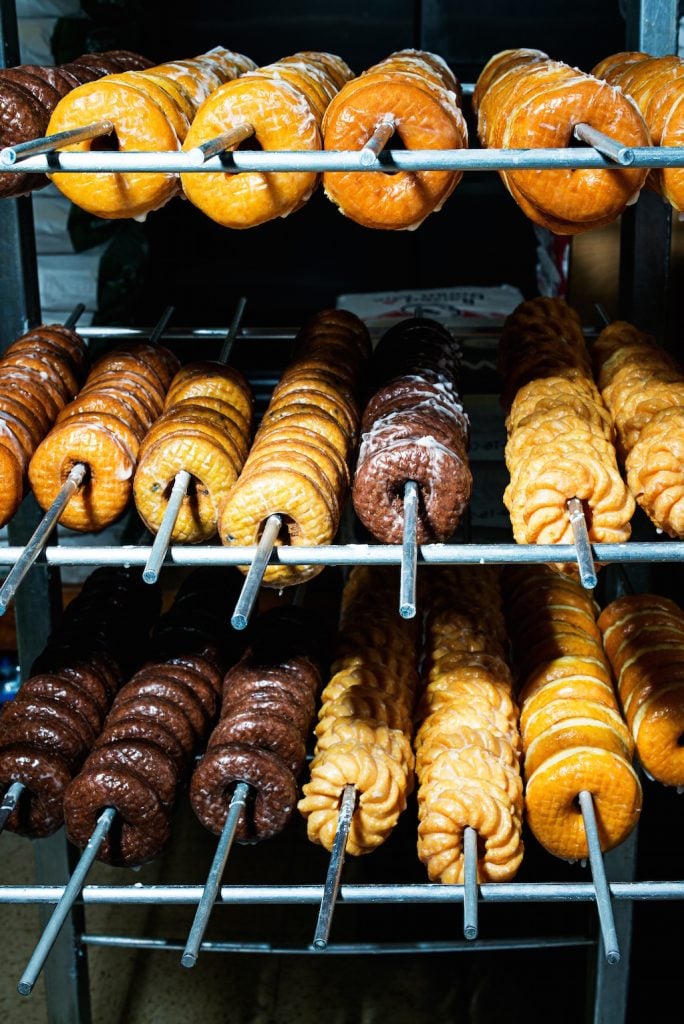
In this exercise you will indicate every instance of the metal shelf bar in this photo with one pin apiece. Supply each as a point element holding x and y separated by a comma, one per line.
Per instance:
<point>357,554</point>
<point>555,158</point>
<point>261,895</point>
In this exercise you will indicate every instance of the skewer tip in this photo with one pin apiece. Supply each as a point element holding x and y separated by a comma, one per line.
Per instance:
<point>319,945</point>
<point>470,932</point>
<point>407,611</point>
<point>613,956</point>
<point>150,576</point>
<point>239,622</point>
<point>188,960</point>
<point>24,989</point>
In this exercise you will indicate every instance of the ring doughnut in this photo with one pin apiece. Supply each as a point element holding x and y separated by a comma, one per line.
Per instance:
<point>136,729</point>
<point>263,730</point>
<point>419,95</point>
<point>272,783</point>
<point>141,827</point>
<point>552,807</point>
<point>163,711</point>
<point>146,759</point>
<point>45,776</point>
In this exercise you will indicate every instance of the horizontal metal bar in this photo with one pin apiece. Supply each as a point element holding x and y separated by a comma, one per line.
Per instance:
<point>257,333</point>
<point>335,949</point>
<point>319,161</point>
<point>233,895</point>
<point>358,554</point>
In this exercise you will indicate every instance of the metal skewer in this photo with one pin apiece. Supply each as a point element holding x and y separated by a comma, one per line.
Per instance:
<point>213,883</point>
<point>160,545</point>
<point>160,327</point>
<point>200,154</point>
<point>585,558</point>
<point>384,130</point>
<point>224,354</point>
<point>470,883</point>
<point>611,148</point>
<point>49,143</point>
<point>69,896</point>
<point>75,315</point>
<point>598,874</point>
<point>334,875</point>
<point>255,575</point>
<point>40,535</point>
<point>10,801</point>
<point>409,552</point>
<point>603,313</point>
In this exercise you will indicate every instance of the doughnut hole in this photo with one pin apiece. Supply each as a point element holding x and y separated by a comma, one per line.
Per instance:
<point>105,143</point>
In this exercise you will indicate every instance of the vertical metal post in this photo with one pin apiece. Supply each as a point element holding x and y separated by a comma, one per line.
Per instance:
<point>65,977</point>
<point>646,230</point>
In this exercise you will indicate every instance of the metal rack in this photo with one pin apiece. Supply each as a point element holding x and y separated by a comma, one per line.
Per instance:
<point>644,258</point>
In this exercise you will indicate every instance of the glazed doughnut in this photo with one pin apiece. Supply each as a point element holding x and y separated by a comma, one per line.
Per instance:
<point>137,729</point>
<point>284,104</point>
<point>267,731</point>
<point>272,784</point>
<point>643,387</point>
<point>419,95</point>
<point>553,811</point>
<point>143,757</point>
<point>526,100</point>
<point>44,775</point>
<point>141,826</point>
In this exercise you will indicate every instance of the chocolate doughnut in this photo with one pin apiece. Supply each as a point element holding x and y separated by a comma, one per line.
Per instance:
<point>141,827</point>
<point>274,699</point>
<point>264,731</point>
<point>29,707</point>
<point>45,776</point>
<point>47,96</point>
<point>204,667</point>
<point>90,682</point>
<point>444,483</point>
<point>273,791</point>
<point>145,730</point>
<point>194,681</point>
<point>146,759</point>
<point>161,710</point>
<point>52,75</point>
<point>42,732</point>
<point>68,693</point>
<point>238,686</point>
<point>171,690</point>
<point>21,118</point>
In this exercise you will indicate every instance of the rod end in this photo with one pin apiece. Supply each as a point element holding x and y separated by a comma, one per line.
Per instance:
<point>195,157</point>
<point>470,932</point>
<point>320,944</point>
<point>613,956</point>
<point>188,960</point>
<point>407,611</point>
<point>8,157</point>
<point>24,988</point>
<point>367,157</point>
<point>239,621</point>
<point>150,576</point>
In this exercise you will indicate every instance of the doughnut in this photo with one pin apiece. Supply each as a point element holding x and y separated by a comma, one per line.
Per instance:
<point>284,106</point>
<point>137,729</point>
<point>171,690</point>
<point>553,811</point>
<point>141,827</point>
<point>44,775</point>
<point>416,92</point>
<point>162,710</point>
<point>41,707</point>
<point>145,758</point>
<point>265,731</point>
<point>273,790</point>
<point>22,117</point>
<point>68,693</point>
<point>526,100</point>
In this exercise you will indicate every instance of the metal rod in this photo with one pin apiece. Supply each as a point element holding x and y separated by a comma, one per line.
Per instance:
<point>603,313</point>
<point>160,545</point>
<point>255,574</point>
<point>10,801</point>
<point>632,553</point>
<point>11,155</point>
<point>71,891</point>
<point>75,315</point>
<point>40,535</point>
<point>200,154</point>
<point>224,354</point>
<point>238,161</point>
<point>331,888</point>
<point>384,130</point>
<point>213,883</point>
<point>614,150</point>
<point>409,552</point>
<point>160,326</point>
<point>585,558</point>
<point>470,883</point>
<point>598,874</point>
<point>305,895</point>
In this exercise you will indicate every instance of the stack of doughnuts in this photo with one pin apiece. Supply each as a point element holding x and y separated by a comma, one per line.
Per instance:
<point>283,103</point>
<point>29,94</point>
<point>643,388</point>
<point>39,373</point>
<point>656,85</point>
<point>102,429</point>
<point>418,95</point>
<point>268,705</point>
<point>298,465</point>
<point>205,429</point>
<point>413,428</point>
<point>49,727</point>
<point>559,434</point>
<point>158,722</point>
<point>151,110</point>
<point>573,733</point>
<point>365,719</point>
<point>643,636</point>
<point>525,100</point>
<point>467,744</point>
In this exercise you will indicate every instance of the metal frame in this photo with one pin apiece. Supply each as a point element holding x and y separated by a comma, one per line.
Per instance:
<point>644,276</point>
